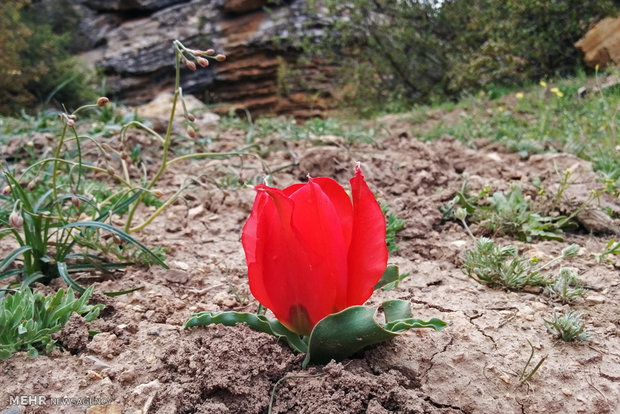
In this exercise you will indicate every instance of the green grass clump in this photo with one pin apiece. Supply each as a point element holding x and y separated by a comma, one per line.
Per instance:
<point>568,327</point>
<point>28,319</point>
<point>498,266</point>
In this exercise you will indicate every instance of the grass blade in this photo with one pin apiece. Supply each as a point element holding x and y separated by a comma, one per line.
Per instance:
<point>119,233</point>
<point>12,256</point>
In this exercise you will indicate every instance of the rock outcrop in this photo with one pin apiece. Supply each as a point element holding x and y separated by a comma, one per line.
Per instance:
<point>131,42</point>
<point>601,45</point>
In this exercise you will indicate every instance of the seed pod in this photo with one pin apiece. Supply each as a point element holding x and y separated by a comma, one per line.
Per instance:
<point>158,193</point>
<point>111,171</point>
<point>102,101</point>
<point>71,122</point>
<point>209,52</point>
<point>75,200</point>
<point>117,240</point>
<point>191,132</point>
<point>120,147</point>
<point>220,58</point>
<point>202,62</point>
<point>15,219</point>
<point>191,118</point>
<point>32,185</point>
<point>6,190</point>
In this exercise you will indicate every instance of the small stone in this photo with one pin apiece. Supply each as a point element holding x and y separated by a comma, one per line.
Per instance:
<point>505,377</point>
<point>539,306</point>
<point>458,357</point>
<point>176,276</point>
<point>567,392</point>
<point>93,376</point>
<point>595,299</point>
<point>180,265</point>
<point>127,376</point>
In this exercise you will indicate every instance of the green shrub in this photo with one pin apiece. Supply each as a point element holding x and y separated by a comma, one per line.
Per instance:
<point>36,64</point>
<point>513,41</point>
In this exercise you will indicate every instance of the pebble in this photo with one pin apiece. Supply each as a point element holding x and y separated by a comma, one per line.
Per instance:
<point>458,357</point>
<point>128,375</point>
<point>505,377</point>
<point>113,408</point>
<point>176,276</point>
<point>93,376</point>
<point>595,299</point>
<point>567,392</point>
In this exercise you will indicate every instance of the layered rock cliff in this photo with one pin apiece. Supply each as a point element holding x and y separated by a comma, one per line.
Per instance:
<point>130,41</point>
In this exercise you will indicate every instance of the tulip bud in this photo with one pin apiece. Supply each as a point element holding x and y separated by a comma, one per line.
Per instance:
<point>70,122</point>
<point>117,240</point>
<point>102,101</point>
<point>191,118</point>
<point>220,58</point>
<point>15,219</point>
<point>209,52</point>
<point>6,190</point>
<point>158,193</point>
<point>191,132</point>
<point>75,200</point>
<point>111,171</point>
<point>120,147</point>
<point>72,117</point>
<point>190,65</point>
<point>202,62</point>
<point>32,185</point>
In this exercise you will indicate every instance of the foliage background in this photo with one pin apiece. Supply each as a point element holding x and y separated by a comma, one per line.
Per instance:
<point>393,53</point>
<point>38,40</point>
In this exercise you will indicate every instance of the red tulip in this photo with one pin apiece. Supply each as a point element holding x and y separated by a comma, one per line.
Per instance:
<point>312,251</point>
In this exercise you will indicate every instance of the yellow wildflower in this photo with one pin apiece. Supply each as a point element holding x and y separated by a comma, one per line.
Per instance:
<point>519,95</point>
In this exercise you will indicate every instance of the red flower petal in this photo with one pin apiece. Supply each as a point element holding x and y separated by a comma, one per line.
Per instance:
<point>368,253</point>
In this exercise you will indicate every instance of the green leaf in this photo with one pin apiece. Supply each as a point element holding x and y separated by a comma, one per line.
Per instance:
<point>64,274</point>
<point>119,233</point>
<point>13,255</point>
<point>342,334</point>
<point>389,276</point>
<point>257,322</point>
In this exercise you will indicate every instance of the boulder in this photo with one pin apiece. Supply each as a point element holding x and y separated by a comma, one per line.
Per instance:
<point>262,71</point>
<point>601,44</point>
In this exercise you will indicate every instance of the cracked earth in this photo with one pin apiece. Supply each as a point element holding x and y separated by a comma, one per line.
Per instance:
<point>145,362</point>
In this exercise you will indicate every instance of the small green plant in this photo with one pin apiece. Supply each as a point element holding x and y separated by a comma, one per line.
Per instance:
<point>501,266</point>
<point>568,327</point>
<point>613,247</point>
<point>392,225</point>
<point>28,319</point>
<point>525,377</point>
<point>57,215</point>
<point>566,286</point>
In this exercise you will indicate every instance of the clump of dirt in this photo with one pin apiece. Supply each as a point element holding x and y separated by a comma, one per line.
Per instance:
<point>142,360</point>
